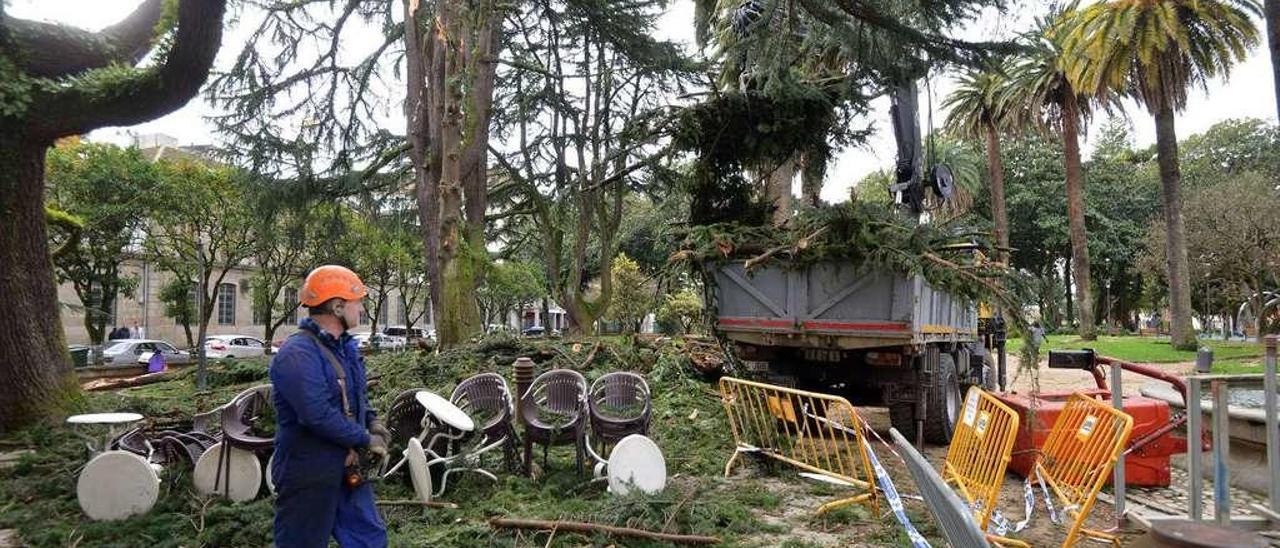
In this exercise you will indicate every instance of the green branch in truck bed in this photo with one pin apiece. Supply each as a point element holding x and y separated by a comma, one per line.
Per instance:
<point>950,255</point>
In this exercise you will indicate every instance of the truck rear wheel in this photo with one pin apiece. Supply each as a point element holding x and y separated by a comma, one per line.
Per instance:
<point>942,407</point>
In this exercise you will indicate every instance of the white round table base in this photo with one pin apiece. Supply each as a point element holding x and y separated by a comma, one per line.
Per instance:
<point>266,474</point>
<point>241,479</point>
<point>116,485</point>
<point>637,463</point>
<point>418,470</point>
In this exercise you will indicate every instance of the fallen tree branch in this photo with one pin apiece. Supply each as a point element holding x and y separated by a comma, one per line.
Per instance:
<point>590,356</point>
<point>800,245</point>
<point>415,502</point>
<point>125,382</point>
<point>582,527</point>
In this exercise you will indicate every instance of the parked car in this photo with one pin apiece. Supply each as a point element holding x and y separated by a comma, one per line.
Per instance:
<point>130,351</point>
<point>499,328</point>
<point>367,341</point>
<point>538,331</point>
<point>233,346</point>
<point>407,333</point>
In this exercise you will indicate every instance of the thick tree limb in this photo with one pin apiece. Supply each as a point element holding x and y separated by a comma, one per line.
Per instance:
<point>582,527</point>
<point>146,95</point>
<point>51,50</point>
<point>414,502</point>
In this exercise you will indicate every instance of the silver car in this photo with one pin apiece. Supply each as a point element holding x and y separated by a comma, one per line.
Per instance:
<point>378,341</point>
<point>233,346</point>
<point>130,351</point>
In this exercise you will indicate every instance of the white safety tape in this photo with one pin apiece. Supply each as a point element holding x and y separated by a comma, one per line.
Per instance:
<point>866,428</point>
<point>1000,526</point>
<point>1048,499</point>
<point>895,501</point>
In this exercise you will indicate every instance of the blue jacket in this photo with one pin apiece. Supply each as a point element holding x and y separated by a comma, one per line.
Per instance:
<point>312,434</point>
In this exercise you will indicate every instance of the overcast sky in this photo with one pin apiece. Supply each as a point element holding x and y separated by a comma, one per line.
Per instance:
<point>1249,93</point>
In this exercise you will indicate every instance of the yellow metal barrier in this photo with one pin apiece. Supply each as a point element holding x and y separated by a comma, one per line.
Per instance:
<point>1077,459</point>
<point>816,432</point>
<point>980,450</point>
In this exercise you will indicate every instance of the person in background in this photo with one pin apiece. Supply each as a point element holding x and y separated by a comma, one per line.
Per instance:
<point>1037,334</point>
<point>323,417</point>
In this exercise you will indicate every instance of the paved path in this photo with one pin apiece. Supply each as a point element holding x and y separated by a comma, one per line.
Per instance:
<point>1067,380</point>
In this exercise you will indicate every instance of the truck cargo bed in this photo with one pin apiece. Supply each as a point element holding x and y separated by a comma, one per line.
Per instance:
<point>833,305</point>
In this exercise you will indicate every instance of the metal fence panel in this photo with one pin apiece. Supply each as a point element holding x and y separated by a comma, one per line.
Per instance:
<point>980,451</point>
<point>819,433</point>
<point>1077,458</point>
<point>951,513</point>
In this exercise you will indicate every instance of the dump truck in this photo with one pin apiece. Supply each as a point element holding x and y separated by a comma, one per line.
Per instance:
<point>877,338</point>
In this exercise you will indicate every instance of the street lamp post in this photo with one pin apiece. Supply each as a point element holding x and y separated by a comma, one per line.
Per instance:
<point>201,380</point>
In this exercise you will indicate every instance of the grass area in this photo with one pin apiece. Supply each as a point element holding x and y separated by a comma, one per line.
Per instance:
<point>1149,349</point>
<point>1238,367</point>
<point>37,497</point>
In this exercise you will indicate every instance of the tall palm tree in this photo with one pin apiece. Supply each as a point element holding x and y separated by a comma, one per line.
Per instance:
<point>1048,101</point>
<point>978,110</point>
<point>1273,39</point>
<point>1155,51</point>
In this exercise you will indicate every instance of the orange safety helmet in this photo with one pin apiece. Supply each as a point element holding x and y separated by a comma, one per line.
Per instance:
<point>331,282</point>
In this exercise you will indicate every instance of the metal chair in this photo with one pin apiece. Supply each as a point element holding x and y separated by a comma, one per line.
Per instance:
<point>620,406</point>
<point>487,399</point>
<point>554,413</point>
<point>404,418</point>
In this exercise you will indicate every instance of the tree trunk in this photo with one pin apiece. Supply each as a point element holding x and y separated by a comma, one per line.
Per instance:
<point>778,191</point>
<point>457,314</point>
<point>1259,306</point>
<point>1273,38</point>
<point>421,57</point>
<point>1075,217</point>
<point>1066,282</point>
<point>1183,335</point>
<point>998,215</point>
<point>36,379</point>
<point>186,330</point>
<point>811,177</point>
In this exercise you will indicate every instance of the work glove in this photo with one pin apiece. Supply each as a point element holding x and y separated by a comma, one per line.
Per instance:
<point>378,437</point>
<point>377,428</point>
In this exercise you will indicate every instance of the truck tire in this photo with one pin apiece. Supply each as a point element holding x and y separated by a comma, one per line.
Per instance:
<point>943,409</point>
<point>944,397</point>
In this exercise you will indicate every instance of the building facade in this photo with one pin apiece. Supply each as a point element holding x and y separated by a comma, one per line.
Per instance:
<point>232,313</point>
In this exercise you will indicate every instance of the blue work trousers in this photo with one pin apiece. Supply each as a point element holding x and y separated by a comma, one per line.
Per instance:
<point>307,515</point>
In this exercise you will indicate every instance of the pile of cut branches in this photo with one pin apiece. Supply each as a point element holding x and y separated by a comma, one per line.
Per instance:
<point>951,256</point>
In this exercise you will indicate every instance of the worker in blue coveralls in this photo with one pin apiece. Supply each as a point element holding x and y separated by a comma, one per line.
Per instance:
<point>322,418</point>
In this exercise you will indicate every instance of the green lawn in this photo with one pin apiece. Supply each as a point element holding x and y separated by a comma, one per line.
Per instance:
<point>1149,349</point>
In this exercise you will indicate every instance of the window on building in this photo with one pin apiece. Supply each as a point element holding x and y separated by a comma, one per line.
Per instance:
<point>96,306</point>
<point>364,312</point>
<point>227,304</point>
<point>404,311</point>
<point>291,302</point>
<point>384,312</point>
<point>259,313</point>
